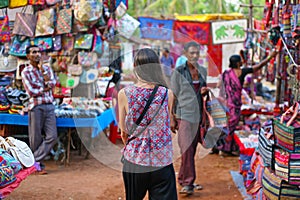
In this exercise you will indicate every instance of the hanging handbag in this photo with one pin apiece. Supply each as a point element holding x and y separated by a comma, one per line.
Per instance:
<point>84,41</point>
<point>44,43</point>
<point>139,120</point>
<point>17,3</point>
<point>67,44</point>
<point>4,29</point>
<point>45,22</point>
<point>74,69</point>
<point>18,46</point>
<point>25,24</point>
<point>7,63</point>
<point>68,81</point>
<point>89,76</point>
<point>87,59</point>
<point>98,43</point>
<point>64,21</point>
<point>57,43</point>
<point>88,11</point>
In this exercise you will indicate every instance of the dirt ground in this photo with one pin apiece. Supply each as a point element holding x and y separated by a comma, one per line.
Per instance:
<point>99,177</point>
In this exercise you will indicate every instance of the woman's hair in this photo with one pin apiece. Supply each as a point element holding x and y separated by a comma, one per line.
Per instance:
<point>147,67</point>
<point>234,60</point>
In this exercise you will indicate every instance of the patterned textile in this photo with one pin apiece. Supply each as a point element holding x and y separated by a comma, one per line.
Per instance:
<point>287,166</point>
<point>153,147</point>
<point>64,21</point>
<point>33,82</point>
<point>157,29</point>
<point>4,29</point>
<point>25,24</point>
<point>187,31</point>
<point>287,137</point>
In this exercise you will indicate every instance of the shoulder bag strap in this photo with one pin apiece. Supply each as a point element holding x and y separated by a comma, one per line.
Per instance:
<point>149,121</point>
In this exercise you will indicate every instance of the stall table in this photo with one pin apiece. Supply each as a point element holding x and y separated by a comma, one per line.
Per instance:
<point>97,124</point>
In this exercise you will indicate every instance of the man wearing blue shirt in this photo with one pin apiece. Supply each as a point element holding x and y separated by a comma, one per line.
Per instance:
<point>168,64</point>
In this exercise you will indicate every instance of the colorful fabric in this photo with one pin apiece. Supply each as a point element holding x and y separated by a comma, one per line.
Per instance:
<point>64,21</point>
<point>25,24</point>
<point>4,29</point>
<point>33,82</point>
<point>233,90</point>
<point>187,31</point>
<point>287,137</point>
<point>265,148</point>
<point>127,25</point>
<point>287,166</point>
<point>156,29</point>
<point>153,147</point>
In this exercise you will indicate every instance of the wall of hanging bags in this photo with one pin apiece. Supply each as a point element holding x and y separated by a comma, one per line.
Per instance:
<point>52,27</point>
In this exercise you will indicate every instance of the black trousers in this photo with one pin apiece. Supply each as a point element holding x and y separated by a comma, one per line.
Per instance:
<point>160,182</point>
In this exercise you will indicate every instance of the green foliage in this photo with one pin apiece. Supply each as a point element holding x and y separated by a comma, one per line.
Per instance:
<point>167,8</point>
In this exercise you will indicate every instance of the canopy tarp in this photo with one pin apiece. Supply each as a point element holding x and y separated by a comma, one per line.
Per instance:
<point>209,17</point>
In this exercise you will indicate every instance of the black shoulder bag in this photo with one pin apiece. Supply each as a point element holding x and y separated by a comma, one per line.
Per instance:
<point>138,121</point>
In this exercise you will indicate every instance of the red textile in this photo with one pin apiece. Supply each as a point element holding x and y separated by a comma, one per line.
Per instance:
<point>187,31</point>
<point>4,192</point>
<point>214,60</point>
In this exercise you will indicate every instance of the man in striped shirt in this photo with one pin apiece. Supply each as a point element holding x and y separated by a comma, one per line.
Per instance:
<point>38,81</point>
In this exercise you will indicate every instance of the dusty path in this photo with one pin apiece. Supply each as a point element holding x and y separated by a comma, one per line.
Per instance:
<point>88,179</point>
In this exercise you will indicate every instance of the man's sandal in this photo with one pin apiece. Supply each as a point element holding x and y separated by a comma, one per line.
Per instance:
<point>198,186</point>
<point>186,190</point>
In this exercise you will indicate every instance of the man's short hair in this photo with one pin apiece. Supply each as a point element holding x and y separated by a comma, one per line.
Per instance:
<point>191,44</point>
<point>166,50</point>
<point>29,47</point>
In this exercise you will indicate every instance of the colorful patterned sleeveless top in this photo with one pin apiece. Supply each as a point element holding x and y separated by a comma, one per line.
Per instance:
<point>153,147</point>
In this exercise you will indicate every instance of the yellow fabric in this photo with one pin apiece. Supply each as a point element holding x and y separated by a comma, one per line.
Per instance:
<point>209,17</point>
<point>17,3</point>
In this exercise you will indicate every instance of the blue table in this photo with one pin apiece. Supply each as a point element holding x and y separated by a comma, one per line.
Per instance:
<point>97,124</point>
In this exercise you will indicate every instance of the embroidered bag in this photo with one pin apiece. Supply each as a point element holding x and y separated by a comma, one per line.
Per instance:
<point>57,43</point>
<point>83,41</point>
<point>52,2</point>
<point>17,3</point>
<point>45,22</point>
<point>89,76</point>
<point>6,172</point>
<point>18,47</point>
<point>64,21</point>
<point>25,24</point>
<point>87,59</point>
<point>44,43</point>
<point>4,3</point>
<point>36,2</point>
<point>68,81</point>
<point>67,44</point>
<point>4,29</point>
<point>73,68</point>
<point>15,164</point>
<point>88,11</point>
<point>7,63</point>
